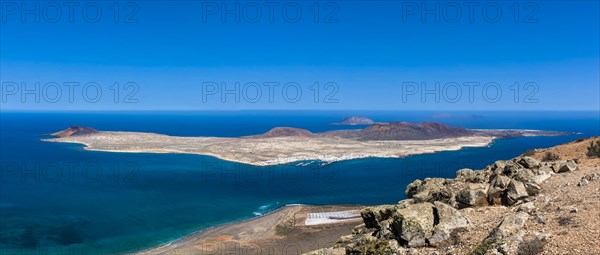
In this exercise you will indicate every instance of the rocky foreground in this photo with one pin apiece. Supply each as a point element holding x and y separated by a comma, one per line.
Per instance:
<point>544,202</point>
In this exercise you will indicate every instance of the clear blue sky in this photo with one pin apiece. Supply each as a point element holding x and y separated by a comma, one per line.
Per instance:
<point>368,51</point>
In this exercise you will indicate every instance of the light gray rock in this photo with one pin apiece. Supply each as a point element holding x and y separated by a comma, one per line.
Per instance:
<point>528,162</point>
<point>470,197</point>
<point>510,225</point>
<point>450,220</point>
<point>533,189</point>
<point>516,191</point>
<point>501,182</point>
<point>540,219</point>
<point>527,207</point>
<point>431,189</point>
<point>416,224</point>
<point>564,166</point>
<point>469,175</point>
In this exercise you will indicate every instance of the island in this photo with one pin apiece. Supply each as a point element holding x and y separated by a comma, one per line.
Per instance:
<point>282,145</point>
<point>355,120</point>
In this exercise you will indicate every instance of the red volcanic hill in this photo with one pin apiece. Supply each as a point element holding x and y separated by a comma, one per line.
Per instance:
<point>286,131</point>
<point>75,131</point>
<point>404,131</point>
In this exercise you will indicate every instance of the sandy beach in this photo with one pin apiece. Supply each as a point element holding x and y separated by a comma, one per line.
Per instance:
<point>280,232</point>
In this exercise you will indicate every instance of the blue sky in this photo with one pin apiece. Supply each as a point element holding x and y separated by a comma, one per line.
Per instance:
<point>366,55</point>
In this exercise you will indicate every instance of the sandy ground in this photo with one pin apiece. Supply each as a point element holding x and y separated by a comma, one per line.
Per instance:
<point>269,151</point>
<point>280,232</point>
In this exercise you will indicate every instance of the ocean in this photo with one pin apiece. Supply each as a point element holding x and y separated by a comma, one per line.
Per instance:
<point>57,198</point>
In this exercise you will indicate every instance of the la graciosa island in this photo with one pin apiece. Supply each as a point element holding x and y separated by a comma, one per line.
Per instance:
<point>282,145</point>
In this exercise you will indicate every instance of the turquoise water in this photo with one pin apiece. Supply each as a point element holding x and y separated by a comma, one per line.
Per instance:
<point>59,199</point>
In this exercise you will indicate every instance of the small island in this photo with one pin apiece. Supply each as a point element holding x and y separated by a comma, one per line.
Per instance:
<point>282,145</point>
<point>355,121</point>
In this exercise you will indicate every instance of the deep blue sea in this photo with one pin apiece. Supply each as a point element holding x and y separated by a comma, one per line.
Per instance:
<point>60,199</point>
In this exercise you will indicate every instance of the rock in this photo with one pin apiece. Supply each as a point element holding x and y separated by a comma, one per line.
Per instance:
<point>469,175</point>
<point>496,196</point>
<point>449,220</point>
<point>328,251</point>
<point>525,176</point>
<point>528,162</point>
<point>367,244</point>
<point>573,209</point>
<point>533,189</point>
<point>516,191</point>
<point>359,229</point>
<point>526,207</point>
<point>511,168</point>
<point>591,177</point>
<point>564,166</point>
<point>430,190</point>
<point>542,236</point>
<point>583,182</point>
<point>497,167</point>
<point>373,215</point>
<point>540,219</point>
<point>416,224</point>
<point>542,174</point>
<point>510,225</point>
<point>470,197</point>
<point>412,188</point>
<point>500,182</point>
<point>394,247</point>
<point>385,229</point>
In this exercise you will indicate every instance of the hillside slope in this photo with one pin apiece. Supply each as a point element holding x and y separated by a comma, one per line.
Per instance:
<point>526,205</point>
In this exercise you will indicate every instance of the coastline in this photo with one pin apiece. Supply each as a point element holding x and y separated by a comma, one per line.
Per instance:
<point>190,236</point>
<point>269,151</point>
<point>258,232</point>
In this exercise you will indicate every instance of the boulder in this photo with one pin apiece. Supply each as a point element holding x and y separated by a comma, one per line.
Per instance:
<point>415,224</point>
<point>367,244</point>
<point>516,191</point>
<point>497,190</point>
<point>500,182</point>
<point>511,168</point>
<point>472,196</point>
<point>373,215</point>
<point>528,162</point>
<point>449,220</point>
<point>469,175</point>
<point>564,166</point>
<point>510,225</point>
<point>528,207</point>
<point>496,168</point>
<point>505,238</point>
<point>412,188</point>
<point>532,189</point>
<point>430,190</point>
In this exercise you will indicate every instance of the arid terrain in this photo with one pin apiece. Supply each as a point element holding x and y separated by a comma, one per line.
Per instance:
<point>287,145</point>
<point>280,232</point>
<point>558,216</point>
<point>497,210</point>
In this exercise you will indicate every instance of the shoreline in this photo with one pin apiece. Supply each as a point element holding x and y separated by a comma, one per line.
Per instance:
<point>215,235</point>
<point>200,231</point>
<point>269,151</point>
